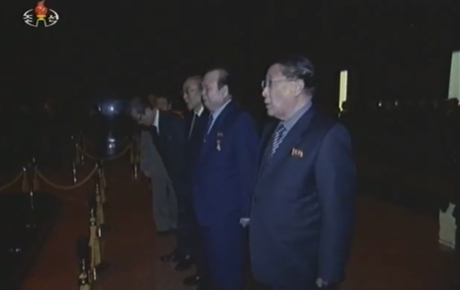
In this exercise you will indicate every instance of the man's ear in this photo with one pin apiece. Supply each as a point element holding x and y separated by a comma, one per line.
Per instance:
<point>299,85</point>
<point>225,90</point>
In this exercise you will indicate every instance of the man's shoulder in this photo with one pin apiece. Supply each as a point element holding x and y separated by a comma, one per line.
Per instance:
<point>326,125</point>
<point>239,119</point>
<point>332,123</point>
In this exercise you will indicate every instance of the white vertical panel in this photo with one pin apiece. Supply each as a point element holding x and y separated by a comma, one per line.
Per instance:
<point>454,83</point>
<point>343,89</point>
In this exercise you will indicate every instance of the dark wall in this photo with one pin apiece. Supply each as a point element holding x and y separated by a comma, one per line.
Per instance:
<point>393,49</point>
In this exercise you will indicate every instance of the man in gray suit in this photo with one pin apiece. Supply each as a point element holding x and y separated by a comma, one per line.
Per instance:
<point>161,150</point>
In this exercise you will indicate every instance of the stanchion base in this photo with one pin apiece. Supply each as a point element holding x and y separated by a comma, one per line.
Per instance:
<point>102,268</point>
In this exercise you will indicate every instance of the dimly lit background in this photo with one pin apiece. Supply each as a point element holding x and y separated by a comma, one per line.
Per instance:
<point>392,49</point>
<point>407,153</point>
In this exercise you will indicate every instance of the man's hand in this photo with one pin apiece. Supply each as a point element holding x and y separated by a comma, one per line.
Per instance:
<point>244,222</point>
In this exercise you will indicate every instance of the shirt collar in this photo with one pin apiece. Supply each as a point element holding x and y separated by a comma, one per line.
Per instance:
<point>289,123</point>
<point>217,112</point>
<point>199,111</point>
<point>156,121</point>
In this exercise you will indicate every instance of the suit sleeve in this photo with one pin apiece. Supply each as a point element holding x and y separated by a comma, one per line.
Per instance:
<point>336,184</point>
<point>180,143</point>
<point>246,144</point>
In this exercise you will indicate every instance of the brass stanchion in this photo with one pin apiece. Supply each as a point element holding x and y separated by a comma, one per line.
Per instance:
<point>82,142</point>
<point>35,182</point>
<point>100,216</point>
<point>101,173</point>
<point>94,242</point>
<point>77,152</point>
<point>135,158</point>
<point>74,172</point>
<point>135,171</point>
<point>82,157</point>
<point>25,181</point>
<point>85,276</point>
<point>102,184</point>
<point>31,217</point>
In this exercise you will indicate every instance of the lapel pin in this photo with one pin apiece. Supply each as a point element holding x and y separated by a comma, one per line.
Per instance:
<point>219,140</point>
<point>296,153</point>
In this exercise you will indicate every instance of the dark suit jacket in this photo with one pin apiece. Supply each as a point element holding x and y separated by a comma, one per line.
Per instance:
<point>303,206</point>
<point>224,174</point>
<point>193,143</point>
<point>171,146</point>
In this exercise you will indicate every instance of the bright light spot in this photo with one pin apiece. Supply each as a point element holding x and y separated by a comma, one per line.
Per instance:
<point>343,88</point>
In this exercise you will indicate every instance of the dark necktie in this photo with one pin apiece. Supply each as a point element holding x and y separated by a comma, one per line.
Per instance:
<point>211,118</point>
<point>273,145</point>
<point>195,116</point>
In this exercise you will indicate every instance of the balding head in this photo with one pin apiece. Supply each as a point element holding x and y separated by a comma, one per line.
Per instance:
<point>216,90</point>
<point>192,92</point>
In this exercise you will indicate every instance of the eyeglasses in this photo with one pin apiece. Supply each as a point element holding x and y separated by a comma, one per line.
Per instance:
<point>268,83</point>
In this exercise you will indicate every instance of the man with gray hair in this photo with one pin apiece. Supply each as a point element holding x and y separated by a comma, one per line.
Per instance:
<point>302,213</point>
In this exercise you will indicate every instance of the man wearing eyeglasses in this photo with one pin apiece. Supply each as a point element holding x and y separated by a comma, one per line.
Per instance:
<point>302,212</point>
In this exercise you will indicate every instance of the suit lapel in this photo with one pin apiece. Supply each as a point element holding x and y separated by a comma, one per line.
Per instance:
<point>208,139</point>
<point>291,140</point>
<point>163,124</point>
<point>189,122</point>
<point>266,136</point>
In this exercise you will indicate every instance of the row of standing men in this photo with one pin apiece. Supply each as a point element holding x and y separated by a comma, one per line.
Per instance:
<point>217,184</point>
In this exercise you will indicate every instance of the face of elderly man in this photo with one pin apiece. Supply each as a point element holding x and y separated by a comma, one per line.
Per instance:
<point>214,95</point>
<point>192,93</point>
<point>280,93</point>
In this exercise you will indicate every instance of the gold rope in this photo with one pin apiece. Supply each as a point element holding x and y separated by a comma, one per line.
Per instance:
<point>12,182</point>
<point>63,187</point>
<point>25,182</point>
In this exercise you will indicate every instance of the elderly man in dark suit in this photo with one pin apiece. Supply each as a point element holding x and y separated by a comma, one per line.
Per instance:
<point>303,205</point>
<point>186,252</point>
<point>223,182</point>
